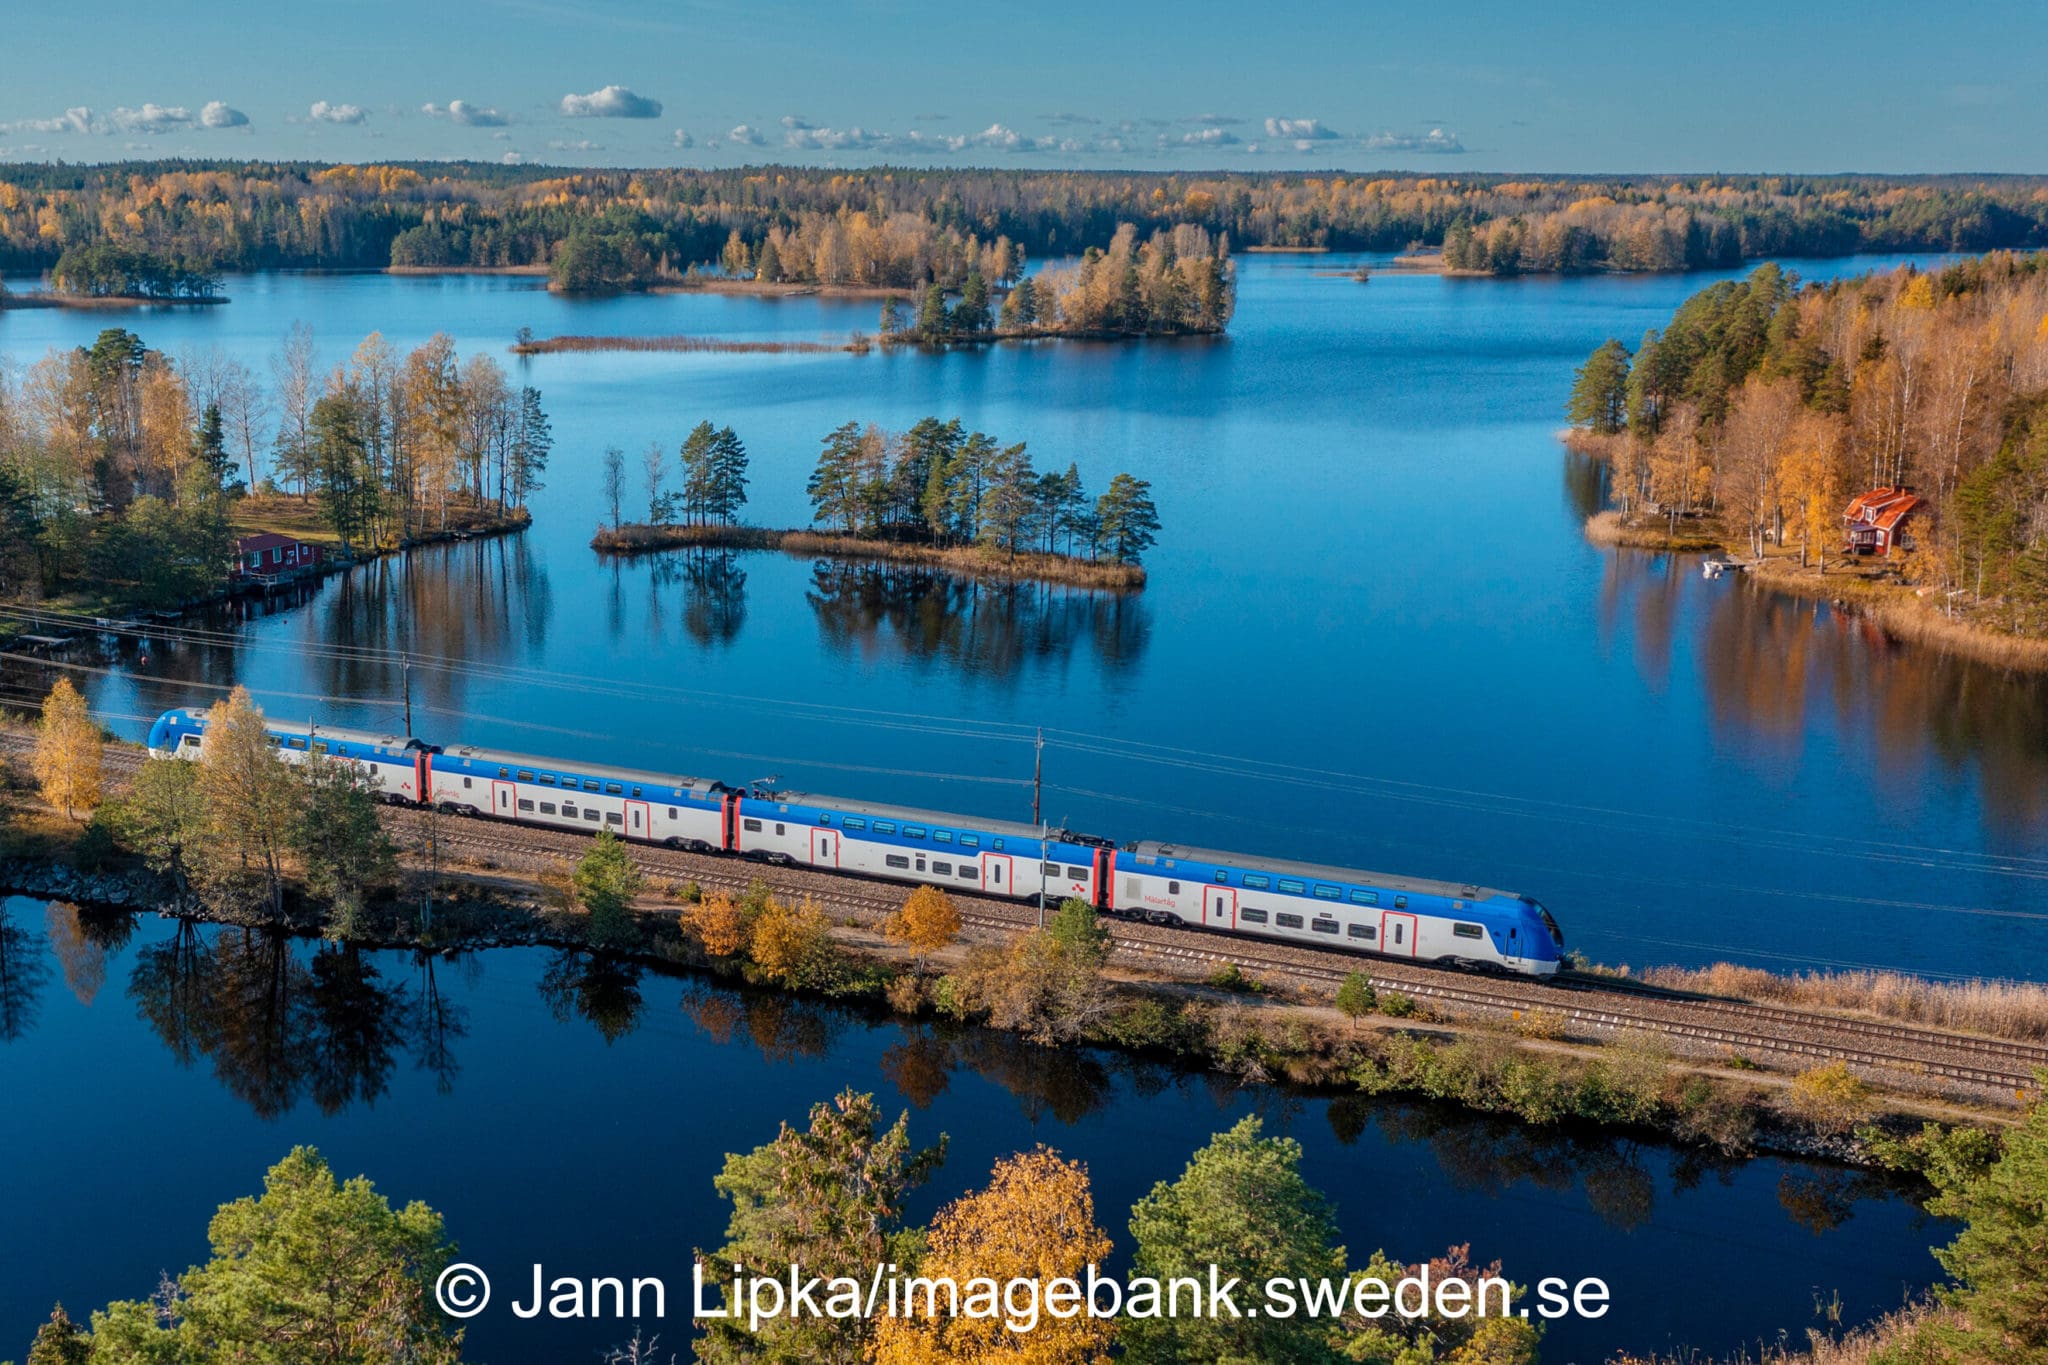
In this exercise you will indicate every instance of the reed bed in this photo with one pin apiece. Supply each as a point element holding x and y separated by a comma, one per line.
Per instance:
<point>966,561</point>
<point>710,345</point>
<point>1608,528</point>
<point>1862,1346</point>
<point>2000,1009</point>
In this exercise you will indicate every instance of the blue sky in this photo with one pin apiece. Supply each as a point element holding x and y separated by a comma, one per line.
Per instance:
<point>1471,85</point>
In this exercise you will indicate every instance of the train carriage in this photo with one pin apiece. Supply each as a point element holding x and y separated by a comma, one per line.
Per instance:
<point>899,843</point>
<point>649,807</point>
<point>1326,907</point>
<point>394,764</point>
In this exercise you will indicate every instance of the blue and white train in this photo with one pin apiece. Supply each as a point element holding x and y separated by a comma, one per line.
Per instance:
<point>1235,893</point>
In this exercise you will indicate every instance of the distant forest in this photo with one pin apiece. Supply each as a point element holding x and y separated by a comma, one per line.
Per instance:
<point>908,227</point>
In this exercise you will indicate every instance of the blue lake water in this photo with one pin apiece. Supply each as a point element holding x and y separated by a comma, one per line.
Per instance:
<point>1374,634</point>
<point>575,1114</point>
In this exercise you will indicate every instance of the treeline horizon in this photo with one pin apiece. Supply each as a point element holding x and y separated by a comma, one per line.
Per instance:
<point>275,214</point>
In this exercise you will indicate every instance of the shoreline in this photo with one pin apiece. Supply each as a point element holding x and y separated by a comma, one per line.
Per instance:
<point>91,302</point>
<point>1900,610</point>
<point>966,561</point>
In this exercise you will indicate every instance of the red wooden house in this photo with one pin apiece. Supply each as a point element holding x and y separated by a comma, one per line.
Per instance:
<point>267,556</point>
<point>1876,520</point>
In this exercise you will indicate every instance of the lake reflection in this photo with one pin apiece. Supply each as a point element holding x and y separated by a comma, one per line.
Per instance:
<point>560,1106</point>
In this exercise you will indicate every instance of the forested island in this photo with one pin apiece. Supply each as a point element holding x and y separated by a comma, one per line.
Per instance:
<point>904,228</point>
<point>126,476</point>
<point>1765,407</point>
<point>936,495</point>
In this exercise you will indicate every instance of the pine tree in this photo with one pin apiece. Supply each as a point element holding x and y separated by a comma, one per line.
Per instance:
<point>60,1341</point>
<point>1599,396</point>
<point>1127,524</point>
<point>834,485</point>
<point>728,476</point>
<point>933,322</point>
<point>697,454</point>
<point>1008,498</point>
<point>532,441</point>
<point>892,316</point>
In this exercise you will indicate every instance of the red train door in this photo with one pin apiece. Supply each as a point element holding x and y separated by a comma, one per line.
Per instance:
<point>423,776</point>
<point>1397,934</point>
<point>1105,876</point>
<point>501,799</point>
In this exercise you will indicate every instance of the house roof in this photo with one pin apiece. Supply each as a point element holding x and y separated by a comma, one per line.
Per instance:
<point>265,540</point>
<point>1882,508</point>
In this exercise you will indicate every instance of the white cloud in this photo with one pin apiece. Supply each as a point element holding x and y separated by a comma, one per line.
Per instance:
<point>1300,129</point>
<point>682,139</point>
<point>745,135</point>
<point>918,140</point>
<point>512,159</point>
<point>323,112</point>
<point>467,114</point>
<point>999,137</point>
<point>582,144</point>
<point>217,114</point>
<point>795,124</point>
<point>77,119</point>
<point>804,136</point>
<point>1435,142</point>
<point>1202,137</point>
<point>614,101</point>
<point>150,118</point>
<point>1215,120</point>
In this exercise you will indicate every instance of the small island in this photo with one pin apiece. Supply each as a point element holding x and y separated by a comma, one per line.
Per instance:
<point>937,496</point>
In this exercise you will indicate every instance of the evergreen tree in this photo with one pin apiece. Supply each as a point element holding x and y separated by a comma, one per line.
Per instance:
<point>60,1341</point>
<point>834,486</point>
<point>933,322</point>
<point>697,453</point>
<point>1599,396</point>
<point>606,882</point>
<point>1127,524</point>
<point>728,476</point>
<point>1008,499</point>
<point>341,843</point>
<point>892,316</point>
<point>972,314</point>
<point>768,262</point>
<point>348,489</point>
<point>532,441</point>
<point>210,449</point>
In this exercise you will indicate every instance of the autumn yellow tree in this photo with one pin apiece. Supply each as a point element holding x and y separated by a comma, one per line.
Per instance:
<point>1035,1221</point>
<point>791,943</point>
<point>67,756</point>
<point>927,922</point>
<point>718,924</point>
<point>252,801</point>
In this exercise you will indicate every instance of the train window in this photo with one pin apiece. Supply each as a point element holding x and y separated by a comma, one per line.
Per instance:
<point>1327,893</point>
<point>1252,916</point>
<point>504,772</point>
<point>780,830</point>
<point>920,863</point>
<point>1468,931</point>
<point>855,822</point>
<point>1400,902</point>
<point>970,841</point>
<point>612,817</point>
<point>568,810</point>
<point>466,783</point>
<point>885,826</point>
<point>1254,882</point>
<point>1365,898</point>
<point>591,786</point>
<point>636,794</point>
<point>547,808</point>
<point>1287,921</point>
<point>1079,874</point>
<point>896,859</point>
<point>296,743</point>
<point>1052,869</point>
<point>671,812</point>
<point>320,746</point>
<point>547,779</point>
<point>1222,876</point>
<point>526,805</point>
<point>753,826</point>
<point>942,836</point>
<point>590,812</point>
<point>914,831</point>
<point>525,776</point>
<point>1289,885</point>
<point>997,845</point>
<point>1324,926</point>
<point>1173,888</point>
<point>612,787</point>
<point>968,870</point>
<point>1363,931</point>
<point>940,869</point>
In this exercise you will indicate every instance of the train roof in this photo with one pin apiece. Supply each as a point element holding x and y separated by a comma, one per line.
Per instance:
<point>1153,848</point>
<point>1007,828</point>
<point>278,726</point>
<point>641,776</point>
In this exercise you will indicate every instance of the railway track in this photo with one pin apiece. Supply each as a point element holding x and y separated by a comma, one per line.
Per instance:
<point>1588,1004</point>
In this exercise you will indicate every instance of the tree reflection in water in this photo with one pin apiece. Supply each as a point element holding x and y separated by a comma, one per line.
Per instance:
<point>278,1027</point>
<point>714,594</point>
<point>602,991</point>
<point>81,938</point>
<point>23,973</point>
<point>988,630</point>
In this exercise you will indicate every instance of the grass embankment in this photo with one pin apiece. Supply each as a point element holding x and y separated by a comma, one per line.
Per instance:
<point>707,345</point>
<point>1867,585</point>
<point>966,561</point>
<point>1999,1009</point>
<point>305,519</point>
